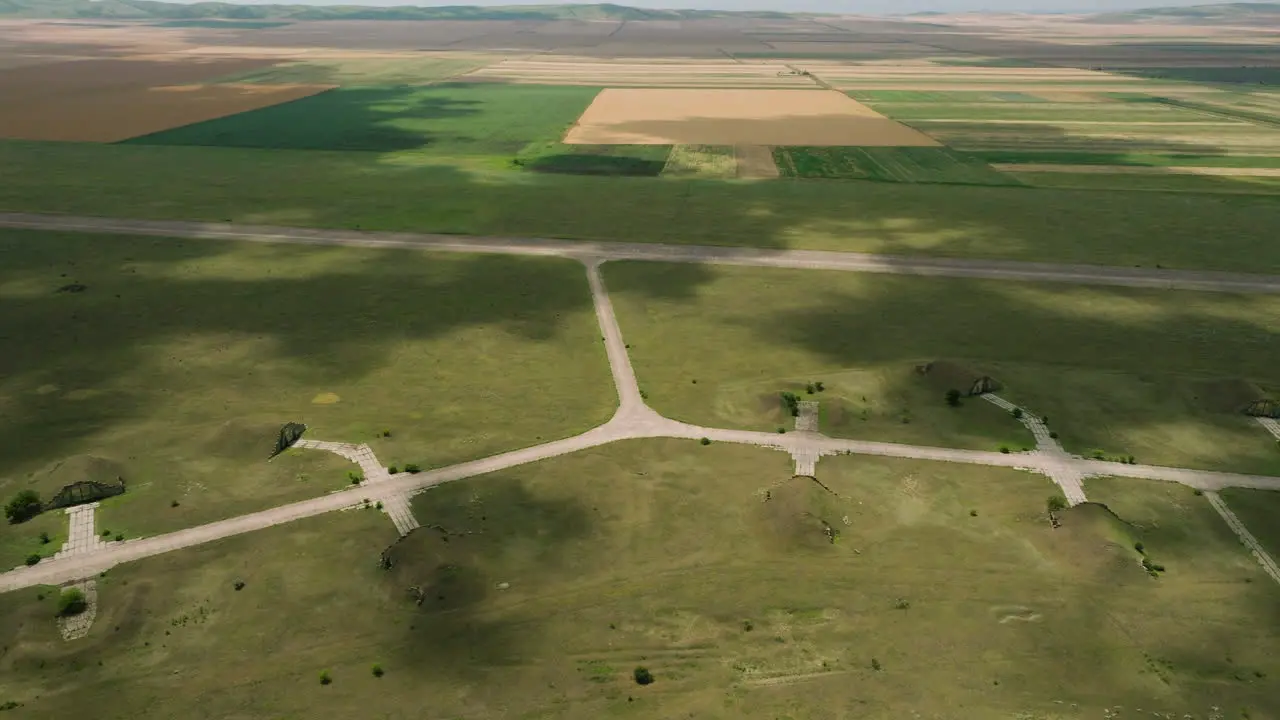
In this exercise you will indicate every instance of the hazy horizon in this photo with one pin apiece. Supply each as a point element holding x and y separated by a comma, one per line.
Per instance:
<point>893,7</point>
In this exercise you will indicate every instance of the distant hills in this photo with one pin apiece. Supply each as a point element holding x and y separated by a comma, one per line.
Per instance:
<point>1268,12</point>
<point>1231,13</point>
<point>150,9</point>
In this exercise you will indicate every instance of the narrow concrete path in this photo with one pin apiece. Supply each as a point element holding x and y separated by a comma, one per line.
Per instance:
<point>1259,553</point>
<point>755,257</point>
<point>1270,425</point>
<point>1054,460</point>
<point>633,419</point>
<point>82,533</point>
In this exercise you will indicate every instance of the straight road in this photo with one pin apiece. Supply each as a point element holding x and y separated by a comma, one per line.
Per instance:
<point>604,251</point>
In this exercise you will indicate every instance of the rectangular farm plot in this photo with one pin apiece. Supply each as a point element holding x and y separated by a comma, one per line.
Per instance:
<point>131,112</point>
<point>449,119</point>
<point>737,117</point>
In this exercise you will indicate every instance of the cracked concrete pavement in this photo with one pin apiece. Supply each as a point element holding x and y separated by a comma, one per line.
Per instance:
<point>633,419</point>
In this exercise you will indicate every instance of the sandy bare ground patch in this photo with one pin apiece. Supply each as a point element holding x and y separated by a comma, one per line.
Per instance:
<point>1138,170</point>
<point>130,112</point>
<point>755,162</point>
<point>737,117</point>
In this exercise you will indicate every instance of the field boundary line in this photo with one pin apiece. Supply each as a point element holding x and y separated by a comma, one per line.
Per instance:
<point>602,251</point>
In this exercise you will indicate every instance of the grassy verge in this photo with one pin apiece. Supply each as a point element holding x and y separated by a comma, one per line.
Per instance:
<point>409,191</point>
<point>178,362</point>
<point>1125,371</point>
<point>560,578</point>
<point>1259,510</point>
<point>905,165</point>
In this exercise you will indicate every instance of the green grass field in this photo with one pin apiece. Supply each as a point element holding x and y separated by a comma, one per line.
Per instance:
<point>630,160</point>
<point>1125,371</point>
<point>942,96</point>
<point>1041,111</point>
<point>905,164</point>
<point>1158,183</point>
<point>580,569</point>
<point>450,119</point>
<point>180,360</point>
<point>408,191</point>
<point>1126,158</point>
<point>1259,510</point>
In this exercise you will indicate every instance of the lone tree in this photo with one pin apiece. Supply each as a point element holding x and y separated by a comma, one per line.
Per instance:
<point>953,397</point>
<point>71,602</point>
<point>643,676</point>
<point>1057,503</point>
<point>24,506</point>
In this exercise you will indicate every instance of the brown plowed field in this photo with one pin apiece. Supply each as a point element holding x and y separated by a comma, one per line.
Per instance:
<point>26,84</point>
<point>737,117</point>
<point>130,112</point>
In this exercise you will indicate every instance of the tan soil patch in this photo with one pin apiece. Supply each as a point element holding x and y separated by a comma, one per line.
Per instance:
<point>130,112</point>
<point>756,162</point>
<point>1139,170</point>
<point>737,117</point>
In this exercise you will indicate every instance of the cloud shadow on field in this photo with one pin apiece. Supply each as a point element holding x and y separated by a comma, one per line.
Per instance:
<point>349,118</point>
<point>482,543</point>
<point>1137,374</point>
<point>337,320</point>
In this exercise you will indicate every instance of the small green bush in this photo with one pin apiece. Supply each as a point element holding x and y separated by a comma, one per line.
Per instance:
<point>393,469</point>
<point>782,431</point>
<point>24,506</point>
<point>810,389</point>
<point>973,513</point>
<point>875,664</point>
<point>44,538</point>
<point>325,677</point>
<point>820,387</point>
<point>33,559</point>
<point>705,441</point>
<point>355,477</point>
<point>377,671</point>
<point>119,537</point>
<point>748,626</point>
<point>1054,434</point>
<point>643,676</point>
<point>1017,413</point>
<point>1004,449</point>
<point>1056,503</point>
<point>412,469</point>
<point>72,602</point>
<point>239,585</point>
<point>1140,548</point>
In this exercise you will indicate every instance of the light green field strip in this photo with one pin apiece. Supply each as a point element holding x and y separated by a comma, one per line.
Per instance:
<point>1138,170</point>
